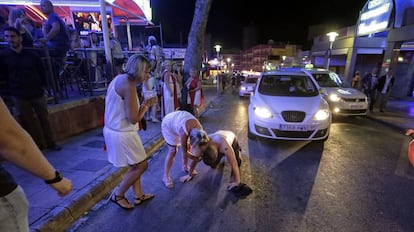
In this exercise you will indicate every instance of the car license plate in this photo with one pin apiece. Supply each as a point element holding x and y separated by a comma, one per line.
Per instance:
<point>357,106</point>
<point>286,127</point>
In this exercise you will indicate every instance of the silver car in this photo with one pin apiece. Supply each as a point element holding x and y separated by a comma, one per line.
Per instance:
<point>247,86</point>
<point>342,98</point>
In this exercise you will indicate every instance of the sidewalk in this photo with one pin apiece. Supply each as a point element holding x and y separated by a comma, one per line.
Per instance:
<point>399,114</point>
<point>83,160</point>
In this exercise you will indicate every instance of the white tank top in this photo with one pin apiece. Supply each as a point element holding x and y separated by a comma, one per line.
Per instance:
<point>115,114</point>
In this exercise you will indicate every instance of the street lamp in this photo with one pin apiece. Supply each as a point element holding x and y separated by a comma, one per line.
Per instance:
<point>218,47</point>
<point>332,36</point>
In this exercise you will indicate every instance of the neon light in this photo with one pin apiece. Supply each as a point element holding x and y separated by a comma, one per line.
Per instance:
<point>36,11</point>
<point>372,27</point>
<point>376,12</point>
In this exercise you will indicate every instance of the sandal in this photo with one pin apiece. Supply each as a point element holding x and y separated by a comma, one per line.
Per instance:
<point>168,183</point>
<point>187,170</point>
<point>142,198</point>
<point>115,199</point>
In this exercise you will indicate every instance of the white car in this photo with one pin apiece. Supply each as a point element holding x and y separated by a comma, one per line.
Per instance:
<point>342,98</point>
<point>287,105</point>
<point>247,86</point>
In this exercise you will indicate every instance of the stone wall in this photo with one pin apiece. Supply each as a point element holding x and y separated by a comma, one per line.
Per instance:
<point>75,117</point>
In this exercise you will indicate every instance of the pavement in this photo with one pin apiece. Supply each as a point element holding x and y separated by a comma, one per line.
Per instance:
<point>83,160</point>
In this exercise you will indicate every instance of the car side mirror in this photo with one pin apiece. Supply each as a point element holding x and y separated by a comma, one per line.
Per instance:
<point>322,91</point>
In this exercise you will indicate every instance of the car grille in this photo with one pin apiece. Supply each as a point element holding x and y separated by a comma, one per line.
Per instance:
<point>293,116</point>
<point>354,99</point>
<point>299,134</point>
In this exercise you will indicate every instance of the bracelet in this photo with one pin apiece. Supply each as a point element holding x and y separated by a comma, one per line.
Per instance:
<point>58,177</point>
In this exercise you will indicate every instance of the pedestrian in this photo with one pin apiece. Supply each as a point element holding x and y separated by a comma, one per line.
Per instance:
<point>356,80</point>
<point>148,90</point>
<point>18,148</point>
<point>385,83</point>
<point>369,85</point>
<point>155,52</point>
<point>117,54</point>
<point>223,79</point>
<point>224,144</point>
<point>123,112</point>
<point>27,83</point>
<point>56,35</point>
<point>195,93</point>
<point>181,128</point>
<point>169,90</point>
<point>19,20</point>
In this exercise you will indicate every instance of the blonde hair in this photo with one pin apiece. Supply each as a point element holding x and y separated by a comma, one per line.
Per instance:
<point>136,66</point>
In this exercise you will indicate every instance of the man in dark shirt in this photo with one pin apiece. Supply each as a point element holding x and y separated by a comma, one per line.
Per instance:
<point>56,34</point>
<point>26,82</point>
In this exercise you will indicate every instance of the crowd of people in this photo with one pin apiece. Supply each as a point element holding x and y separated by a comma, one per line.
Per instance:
<point>162,84</point>
<point>376,87</point>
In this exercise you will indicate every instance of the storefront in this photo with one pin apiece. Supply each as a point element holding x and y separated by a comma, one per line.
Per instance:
<point>383,36</point>
<point>85,15</point>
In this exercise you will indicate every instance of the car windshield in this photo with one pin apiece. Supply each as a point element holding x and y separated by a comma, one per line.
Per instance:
<point>251,80</point>
<point>287,85</point>
<point>328,80</point>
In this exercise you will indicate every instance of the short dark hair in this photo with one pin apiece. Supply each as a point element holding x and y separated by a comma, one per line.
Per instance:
<point>13,29</point>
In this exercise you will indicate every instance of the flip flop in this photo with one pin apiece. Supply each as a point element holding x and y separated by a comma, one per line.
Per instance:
<point>168,183</point>
<point>115,199</point>
<point>187,170</point>
<point>142,198</point>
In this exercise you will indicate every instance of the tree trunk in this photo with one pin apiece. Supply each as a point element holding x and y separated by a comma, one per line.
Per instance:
<point>195,48</point>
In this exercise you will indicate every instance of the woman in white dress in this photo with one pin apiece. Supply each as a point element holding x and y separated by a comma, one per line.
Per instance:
<point>123,112</point>
<point>170,89</point>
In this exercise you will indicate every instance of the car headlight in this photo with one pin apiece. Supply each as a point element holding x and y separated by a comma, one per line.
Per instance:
<point>321,115</point>
<point>334,98</point>
<point>243,88</point>
<point>262,112</point>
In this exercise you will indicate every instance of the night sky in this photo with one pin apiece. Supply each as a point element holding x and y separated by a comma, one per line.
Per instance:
<point>287,22</point>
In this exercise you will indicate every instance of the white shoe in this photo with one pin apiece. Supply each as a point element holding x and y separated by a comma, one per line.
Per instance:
<point>154,120</point>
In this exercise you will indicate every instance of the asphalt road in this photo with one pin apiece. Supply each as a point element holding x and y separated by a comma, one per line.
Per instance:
<point>358,180</point>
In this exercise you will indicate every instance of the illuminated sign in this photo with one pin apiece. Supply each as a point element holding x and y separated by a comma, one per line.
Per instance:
<point>174,53</point>
<point>374,17</point>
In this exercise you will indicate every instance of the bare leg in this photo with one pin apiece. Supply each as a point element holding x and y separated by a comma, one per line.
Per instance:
<point>136,186</point>
<point>185,158</point>
<point>131,177</point>
<point>167,166</point>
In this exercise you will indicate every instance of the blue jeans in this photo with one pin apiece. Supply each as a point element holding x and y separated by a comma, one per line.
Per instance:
<point>14,210</point>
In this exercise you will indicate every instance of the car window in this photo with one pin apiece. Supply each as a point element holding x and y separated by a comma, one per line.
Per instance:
<point>251,80</point>
<point>287,85</point>
<point>328,80</point>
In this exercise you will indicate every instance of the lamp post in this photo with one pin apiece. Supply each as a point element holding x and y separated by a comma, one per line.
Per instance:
<point>332,36</point>
<point>218,47</point>
<point>228,64</point>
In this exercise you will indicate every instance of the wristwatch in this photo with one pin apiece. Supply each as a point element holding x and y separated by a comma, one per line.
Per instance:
<point>58,177</point>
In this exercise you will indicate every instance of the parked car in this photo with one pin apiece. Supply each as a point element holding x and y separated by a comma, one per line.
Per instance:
<point>247,86</point>
<point>342,98</point>
<point>287,105</point>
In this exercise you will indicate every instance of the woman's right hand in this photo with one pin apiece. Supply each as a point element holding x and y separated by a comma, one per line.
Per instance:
<point>151,101</point>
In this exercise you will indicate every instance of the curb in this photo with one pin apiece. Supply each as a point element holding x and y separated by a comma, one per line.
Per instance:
<point>393,126</point>
<point>73,208</point>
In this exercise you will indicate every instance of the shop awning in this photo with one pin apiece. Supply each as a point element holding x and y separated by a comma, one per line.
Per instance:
<point>139,11</point>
